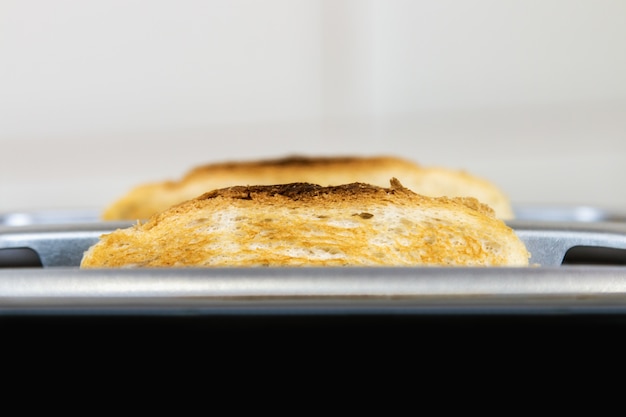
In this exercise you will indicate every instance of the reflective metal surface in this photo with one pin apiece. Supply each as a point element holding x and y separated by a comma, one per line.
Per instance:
<point>550,287</point>
<point>235,291</point>
<point>548,242</point>
<point>57,244</point>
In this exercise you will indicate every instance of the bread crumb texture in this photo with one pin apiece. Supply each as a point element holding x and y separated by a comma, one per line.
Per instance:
<point>145,200</point>
<point>304,224</point>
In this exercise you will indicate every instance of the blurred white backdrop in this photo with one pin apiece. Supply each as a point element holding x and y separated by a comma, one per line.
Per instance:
<point>98,96</point>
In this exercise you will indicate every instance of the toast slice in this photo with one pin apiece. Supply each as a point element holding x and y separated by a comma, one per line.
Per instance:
<point>303,224</point>
<point>145,200</point>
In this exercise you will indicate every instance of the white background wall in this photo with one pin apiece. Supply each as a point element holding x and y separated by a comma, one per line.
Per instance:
<point>97,96</point>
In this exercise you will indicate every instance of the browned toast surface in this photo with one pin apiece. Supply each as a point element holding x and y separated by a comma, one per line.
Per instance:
<point>304,224</point>
<point>146,199</point>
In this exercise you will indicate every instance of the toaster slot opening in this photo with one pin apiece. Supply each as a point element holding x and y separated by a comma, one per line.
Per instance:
<point>594,255</point>
<point>19,258</point>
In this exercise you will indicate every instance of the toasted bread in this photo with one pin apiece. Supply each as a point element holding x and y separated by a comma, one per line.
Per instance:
<point>302,224</point>
<point>144,200</point>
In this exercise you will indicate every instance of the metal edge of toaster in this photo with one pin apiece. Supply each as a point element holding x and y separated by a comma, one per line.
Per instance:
<point>345,291</point>
<point>548,242</point>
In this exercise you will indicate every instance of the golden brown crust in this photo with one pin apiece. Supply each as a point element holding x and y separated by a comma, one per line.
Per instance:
<point>296,162</point>
<point>338,194</point>
<point>145,200</point>
<point>303,224</point>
